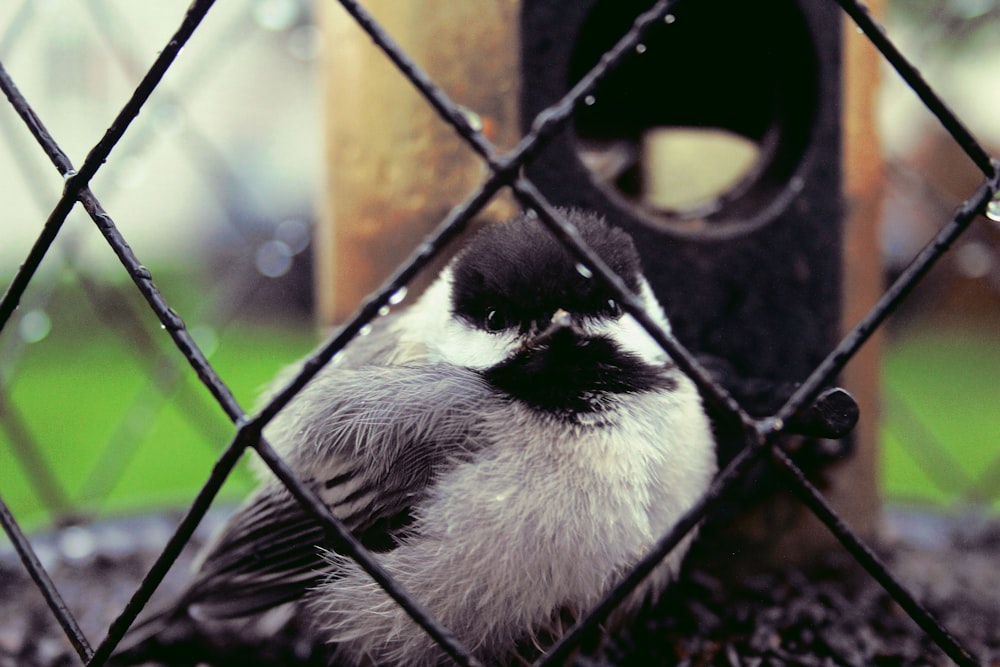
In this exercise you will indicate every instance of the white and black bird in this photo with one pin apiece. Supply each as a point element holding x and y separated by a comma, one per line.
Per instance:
<point>510,446</point>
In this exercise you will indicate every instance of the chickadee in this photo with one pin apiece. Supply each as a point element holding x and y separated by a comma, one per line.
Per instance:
<point>509,446</point>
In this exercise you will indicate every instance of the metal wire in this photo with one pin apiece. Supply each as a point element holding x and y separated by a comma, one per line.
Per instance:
<point>723,482</point>
<point>44,583</point>
<point>911,75</point>
<point>890,300</point>
<point>78,181</point>
<point>867,559</point>
<point>173,323</point>
<point>760,434</point>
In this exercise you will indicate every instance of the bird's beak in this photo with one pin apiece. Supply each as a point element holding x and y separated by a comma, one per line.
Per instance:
<point>561,321</point>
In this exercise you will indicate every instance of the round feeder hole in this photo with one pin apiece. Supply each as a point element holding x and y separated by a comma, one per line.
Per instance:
<point>705,127</point>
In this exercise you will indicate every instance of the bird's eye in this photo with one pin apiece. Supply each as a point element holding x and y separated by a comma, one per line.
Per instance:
<point>615,308</point>
<point>495,320</point>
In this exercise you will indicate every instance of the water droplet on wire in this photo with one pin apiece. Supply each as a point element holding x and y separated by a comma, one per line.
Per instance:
<point>474,120</point>
<point>993,208</point>
<point>398,296</point>
<point>584,271</point>
<point>589,100</point>
<point>640,48</point>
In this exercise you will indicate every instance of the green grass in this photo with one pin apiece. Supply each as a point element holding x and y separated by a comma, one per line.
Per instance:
<point>82,387</point>
<point>92,407</point>
<point>941,433</point>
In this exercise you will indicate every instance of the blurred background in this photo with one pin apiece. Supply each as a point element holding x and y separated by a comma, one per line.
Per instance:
<point>217,188</point>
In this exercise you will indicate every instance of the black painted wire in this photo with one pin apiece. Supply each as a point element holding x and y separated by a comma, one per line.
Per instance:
<point>867,558</point>
<point>504,173</point>
<point>77,181</point>
<point>45,586</point>
<point>915,80</point>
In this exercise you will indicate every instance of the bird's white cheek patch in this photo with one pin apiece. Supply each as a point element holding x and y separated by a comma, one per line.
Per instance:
<point>630,337</point>
<point>431,323</point>
<point>472,348</point>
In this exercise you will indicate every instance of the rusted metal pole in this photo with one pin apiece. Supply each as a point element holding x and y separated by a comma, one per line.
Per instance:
<point>394,168</point>
<point>855,489</point>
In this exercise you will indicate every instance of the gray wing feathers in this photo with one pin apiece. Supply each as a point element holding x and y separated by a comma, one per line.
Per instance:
<point>259,560</point>
<point>369,441</point>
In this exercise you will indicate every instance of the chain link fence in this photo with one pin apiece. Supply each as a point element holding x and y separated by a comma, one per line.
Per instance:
<point>273,251</point>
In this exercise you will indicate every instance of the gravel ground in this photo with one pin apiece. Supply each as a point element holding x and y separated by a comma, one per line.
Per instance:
<point>833,617</point>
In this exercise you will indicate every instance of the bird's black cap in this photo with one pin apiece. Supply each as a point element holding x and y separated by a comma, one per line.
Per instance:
<point>522,273</point>
<point>516,275</point>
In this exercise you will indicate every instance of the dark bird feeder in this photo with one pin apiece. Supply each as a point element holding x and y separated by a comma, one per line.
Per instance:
<point>719,145</point>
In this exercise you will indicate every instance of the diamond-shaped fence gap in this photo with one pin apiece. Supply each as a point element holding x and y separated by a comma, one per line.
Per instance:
<point>50,377</point>
<point>946,427</point>
<point>114,305</point>
<point>124,314</point>
<point>238,174</point>
<point>80,102</point>
<point>935,447</point>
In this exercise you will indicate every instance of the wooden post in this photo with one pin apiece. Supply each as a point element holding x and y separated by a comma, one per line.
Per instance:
<point>855,490</point>
<point>394,168</point>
